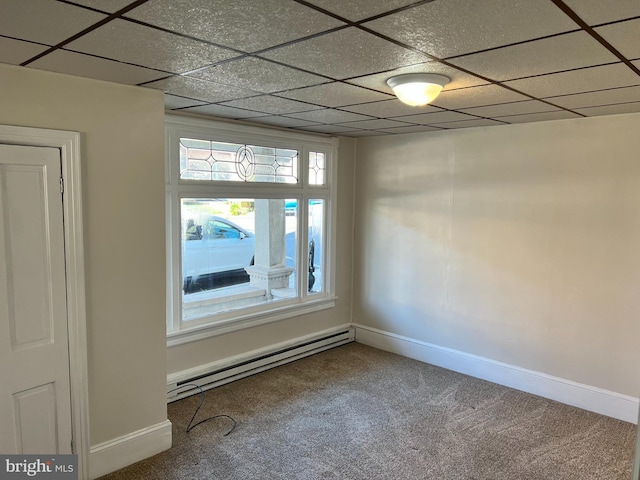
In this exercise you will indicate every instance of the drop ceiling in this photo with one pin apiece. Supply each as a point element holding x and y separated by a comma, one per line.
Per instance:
<point>321,65</point>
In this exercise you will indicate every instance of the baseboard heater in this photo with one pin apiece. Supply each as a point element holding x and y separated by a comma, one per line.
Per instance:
<point>252,365</point>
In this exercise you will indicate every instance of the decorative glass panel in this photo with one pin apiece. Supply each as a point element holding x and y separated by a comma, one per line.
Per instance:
<point>317,168</point>
<point>233,162</point>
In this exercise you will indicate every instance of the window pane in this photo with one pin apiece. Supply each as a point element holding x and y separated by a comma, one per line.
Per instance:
<point>236,253</point>
<point>234,162</point>
<point>315,248</point>
<point>317,168</point>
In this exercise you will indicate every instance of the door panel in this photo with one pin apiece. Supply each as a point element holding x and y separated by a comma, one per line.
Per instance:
<point>35,406</point>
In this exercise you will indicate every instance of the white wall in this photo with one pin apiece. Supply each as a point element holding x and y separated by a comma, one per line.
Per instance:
<point>195,354</point>
<point>122,161</point>
<point>520,244</point>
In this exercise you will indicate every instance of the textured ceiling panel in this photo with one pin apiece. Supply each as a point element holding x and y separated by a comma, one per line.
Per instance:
<point>575,81</point>
<point>322,65</point>
<point>435,118</point>
<point>200,89</point>
<point>335,94</point>
<point>455,27</point>
<point>623,36</point>
<point>133,43</point>
<point>476,96</point>
<point>109,6</point>
<point>539,117</point>
<point>477,122</point>
<point>595,12</point>
<point>356,11</point>
<point>555,54</point>
<point>327,54</point>
<point>82,65</point>
<point>44,21</point>
<point>17,51</point>
<point>389,108</point>
<point>375,124</point>
<point>247,25</point>
<point>515,108</point>
<point>329,115</point>
<point>223,111</point>
<point>270,104</point>
<point>259,75</point>
<point>606,97</point>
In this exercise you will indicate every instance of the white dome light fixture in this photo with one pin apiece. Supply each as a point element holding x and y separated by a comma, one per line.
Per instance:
<point>417,89</point>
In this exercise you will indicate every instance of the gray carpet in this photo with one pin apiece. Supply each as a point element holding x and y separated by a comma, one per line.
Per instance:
<point>355,412</point>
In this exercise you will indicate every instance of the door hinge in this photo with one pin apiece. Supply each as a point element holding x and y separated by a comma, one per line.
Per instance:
<point>61,185</point>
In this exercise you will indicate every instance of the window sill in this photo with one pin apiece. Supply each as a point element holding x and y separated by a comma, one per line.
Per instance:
<point>200,332</point>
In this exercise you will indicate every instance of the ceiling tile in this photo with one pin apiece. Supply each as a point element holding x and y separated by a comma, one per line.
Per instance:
<point>222,111</point>
<point>365,133</point>
<point>515,108</point>
<point>433,118</point>
<point>411,129</point>
<point>378,81</point>
<point>539,117</point>
<point>563,52</point>
<point>356,11</point>
<point>349,52</point>
<point>271,104</point>
<point>330,129</point>
<point>476,96</point>
<point>92,67</point>
<point>278,121</point>
<point>173,101</point>
<point>329,115</point>
<point>44,21</point>
<point>132,43</point>
<point>602,97</point>
<point>611,109</point>
<point>478,122</point>
<point>16,51</point>
<point>334,94</point>
<point>246,25</point>
<point>576,81</point>
<point>435,27</point>
<point>595,12</point>
<point>624,36</point>
<point>110,6</point>
<point>389,108</point>
<point>375,124</point>
<point>200,89</point>
<point>259,75</point>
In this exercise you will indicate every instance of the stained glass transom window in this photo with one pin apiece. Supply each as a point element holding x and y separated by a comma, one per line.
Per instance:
<point>317,168</point>
<point>233,162</point>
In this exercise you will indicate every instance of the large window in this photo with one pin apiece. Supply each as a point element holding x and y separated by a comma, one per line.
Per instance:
<point>249,226</point>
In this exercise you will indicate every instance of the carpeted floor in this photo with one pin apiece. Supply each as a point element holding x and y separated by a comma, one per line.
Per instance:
<point>355,412</point>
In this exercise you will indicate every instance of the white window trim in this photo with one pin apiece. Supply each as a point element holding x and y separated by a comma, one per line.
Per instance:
<point>182,126</point>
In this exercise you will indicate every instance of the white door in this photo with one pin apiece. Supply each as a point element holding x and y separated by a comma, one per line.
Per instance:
<point>35,404</point>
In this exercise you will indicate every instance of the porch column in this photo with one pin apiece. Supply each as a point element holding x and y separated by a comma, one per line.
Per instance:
<point>269,270</point>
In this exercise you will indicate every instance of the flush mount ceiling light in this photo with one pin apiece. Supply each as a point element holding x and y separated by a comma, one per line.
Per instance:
<point>417,89</point>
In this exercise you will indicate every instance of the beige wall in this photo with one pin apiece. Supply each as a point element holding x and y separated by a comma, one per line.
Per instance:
<point>518,243</point>
<point>198,353</point>
<point>122,165</point>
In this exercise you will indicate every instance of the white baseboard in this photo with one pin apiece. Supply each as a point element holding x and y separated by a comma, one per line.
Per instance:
<point>121,452</point>
<point>612,404</point>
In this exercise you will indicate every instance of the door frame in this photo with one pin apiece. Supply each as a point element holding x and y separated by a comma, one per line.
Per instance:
<point>69,145</point>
